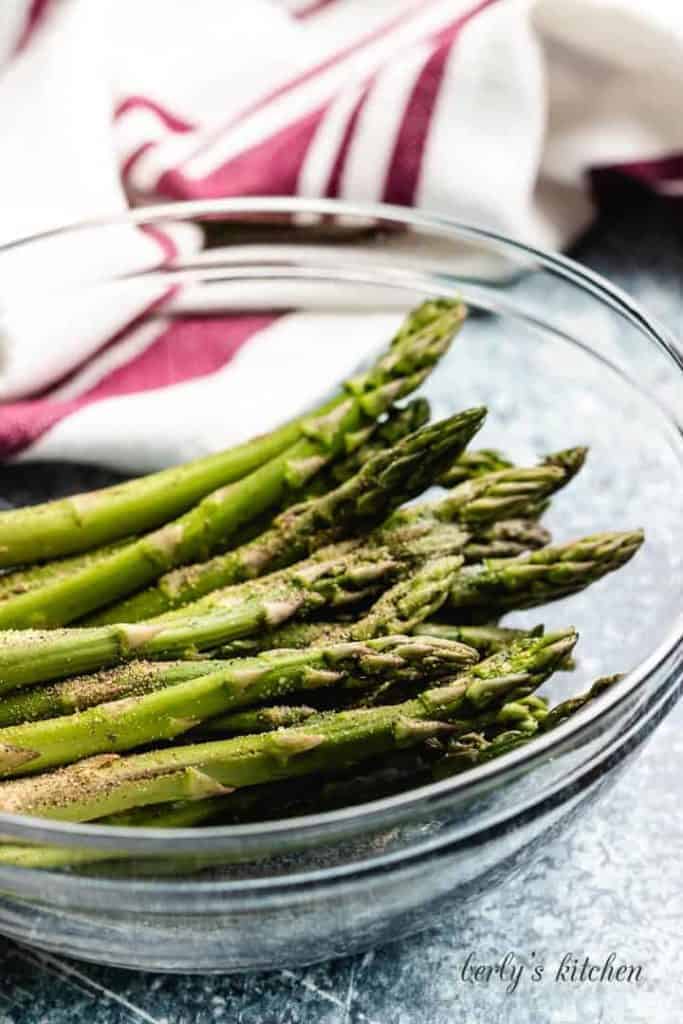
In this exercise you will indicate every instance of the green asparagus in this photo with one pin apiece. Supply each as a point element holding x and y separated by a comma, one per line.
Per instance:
<point>467,751</point>
<point>253,720</point>
<point>485,639</point>
<point>372,779</point>
<point>563,711</point>
<point>88,520</point>
<point>373,439</point>
<point>506,539</point>
<point>81,692</point>
<point>22,581</point>
<point>504,494</point>
<point>545,575</point>
<point>335,578</point>
<point>197,533</point>
<point>165,714</point>
<point>422,594</point>
<point>109,783</point>
<point>390,477</point>
<point>398,610</point>
<point>399,423</point>
<point>474,464</point>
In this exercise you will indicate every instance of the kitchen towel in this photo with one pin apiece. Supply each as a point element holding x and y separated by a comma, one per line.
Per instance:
<point>510,114</point>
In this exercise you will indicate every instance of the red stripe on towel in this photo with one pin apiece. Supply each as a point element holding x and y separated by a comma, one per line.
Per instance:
<point>269,168</point>
<point>406,161</point>
<point>187,349</point>
<point>34,17</point>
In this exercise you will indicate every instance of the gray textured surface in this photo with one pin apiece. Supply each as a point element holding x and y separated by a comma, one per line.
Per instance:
<point>614,885</point>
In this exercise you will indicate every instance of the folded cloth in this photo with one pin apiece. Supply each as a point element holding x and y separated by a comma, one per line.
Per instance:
<point>504,113</point>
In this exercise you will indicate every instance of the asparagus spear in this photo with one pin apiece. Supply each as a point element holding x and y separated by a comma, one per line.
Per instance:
<point>399,423</point>
<point>544,575</point>
<point>426,590</point>
<point>526,714</point>
<point>501,495</point>
<point>491,497</point>
<point>506,539</point>
<point>398,610</point>
<point>485,639</point>
<point>85,521</point>
<point>197,533</point>
<point>474,464</point>
<point>474,749</point>
<point>282,799</point>
<point>563,711</point>
<point>86,691</point>
<point>254,720</point>
<point>375,778</point>
<point>165,714</point>
<point>373,439</point>
<point>336,578</point>
<point>181,814</point>
<point>390,477</point>
<point>21,581</point>
<point>108,783</point>
<point>409,546</point>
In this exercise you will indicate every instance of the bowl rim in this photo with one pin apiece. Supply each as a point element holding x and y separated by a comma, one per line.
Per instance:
<point>146,841</point>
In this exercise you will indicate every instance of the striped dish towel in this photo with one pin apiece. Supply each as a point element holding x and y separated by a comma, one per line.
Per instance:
<point>505,113</point>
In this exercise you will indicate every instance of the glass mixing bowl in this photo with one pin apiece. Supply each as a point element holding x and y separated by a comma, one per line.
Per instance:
<point>560,357</point>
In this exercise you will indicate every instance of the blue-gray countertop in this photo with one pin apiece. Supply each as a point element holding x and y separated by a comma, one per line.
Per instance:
<point>613,886</point>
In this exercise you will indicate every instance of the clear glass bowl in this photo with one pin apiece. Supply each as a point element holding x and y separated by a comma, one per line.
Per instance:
<point>560,357</point>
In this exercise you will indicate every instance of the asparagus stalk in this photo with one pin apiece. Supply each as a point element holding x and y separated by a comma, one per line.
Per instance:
<point>165,714</point>
<point>409,546</point>
<point>506,539</point>
<point>474,464</point>
<point>426,590</point>
<point>468,751</point>
<point>545,575</point>
<point>373,439</point>
<point>390,477</point>
<point>542,576</point>
<point>84,521</point>
<point>88,520</point>
<point>567,708</point>
<point>398,610</point>
<point>107,784</point>
<point>399,423</point>
<point>466,503</point>
<point>254,720</point>
<point>485,639</point>
<point>281,799</point>
<point>525,714</point>
<point>376,778</point>
<point>86,691</point>
<point>181,814</point>
<point>373,779</point>
<point>339,577</point>
<point>472,749</point>
<point>22,581</point>
<point>198,532</point>
<point>507,493</point>
<point>490,497</point>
